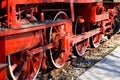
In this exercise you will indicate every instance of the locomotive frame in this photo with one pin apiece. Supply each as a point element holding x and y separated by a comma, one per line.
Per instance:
<point>34,32</point>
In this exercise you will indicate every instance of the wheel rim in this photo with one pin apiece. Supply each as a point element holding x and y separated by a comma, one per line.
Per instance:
<point>56,55</point>
<point>80,47</point>
<point>22,69</point>
<point>95,40</point>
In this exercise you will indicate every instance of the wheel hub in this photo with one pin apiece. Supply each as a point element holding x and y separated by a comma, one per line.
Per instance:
<point>28,56</point>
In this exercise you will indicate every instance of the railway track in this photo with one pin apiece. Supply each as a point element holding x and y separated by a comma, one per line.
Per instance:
<point>76,66</point>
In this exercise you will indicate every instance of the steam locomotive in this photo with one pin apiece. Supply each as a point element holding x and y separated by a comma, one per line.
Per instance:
<point>36,34</point>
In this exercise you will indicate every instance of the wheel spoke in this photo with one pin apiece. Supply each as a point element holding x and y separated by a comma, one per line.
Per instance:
<point>23,71</point>
<point>17,71</point>
<point>25,65</point>
<point>27,70</point>
<point>33,68</point>
<point>13,67</point>
<point>60,60</point>
<point>80,47</point>
<point>95,40</point>
<point>56,55</point>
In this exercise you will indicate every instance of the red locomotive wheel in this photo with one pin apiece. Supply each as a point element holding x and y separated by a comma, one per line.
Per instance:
<point>57,56</point>
<point>80,47</point>
<point>25,65</point>
<point>95,40</point>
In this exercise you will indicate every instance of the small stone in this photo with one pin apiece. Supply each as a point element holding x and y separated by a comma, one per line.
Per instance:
<point>64,71</point>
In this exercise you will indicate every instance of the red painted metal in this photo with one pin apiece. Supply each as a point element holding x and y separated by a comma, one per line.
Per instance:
<point>3,4</point>
<point>72,10</point>
<point>26,38</point>
<point>33,27</point>
<point>19,33</point>
<point>65,46</point>
<point>11,14</point>
<point>81,47</point>
<point>95,40</point>
<point>42,16</point>
<point>86,35</point>
<point>2,58</point>
<point>21,42</point>
<point>101,17</point>
<point>43,48</point>
<point>49,1</point>
<point>98,14</point>
<point>11,11</point>
<point>26,66</point>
